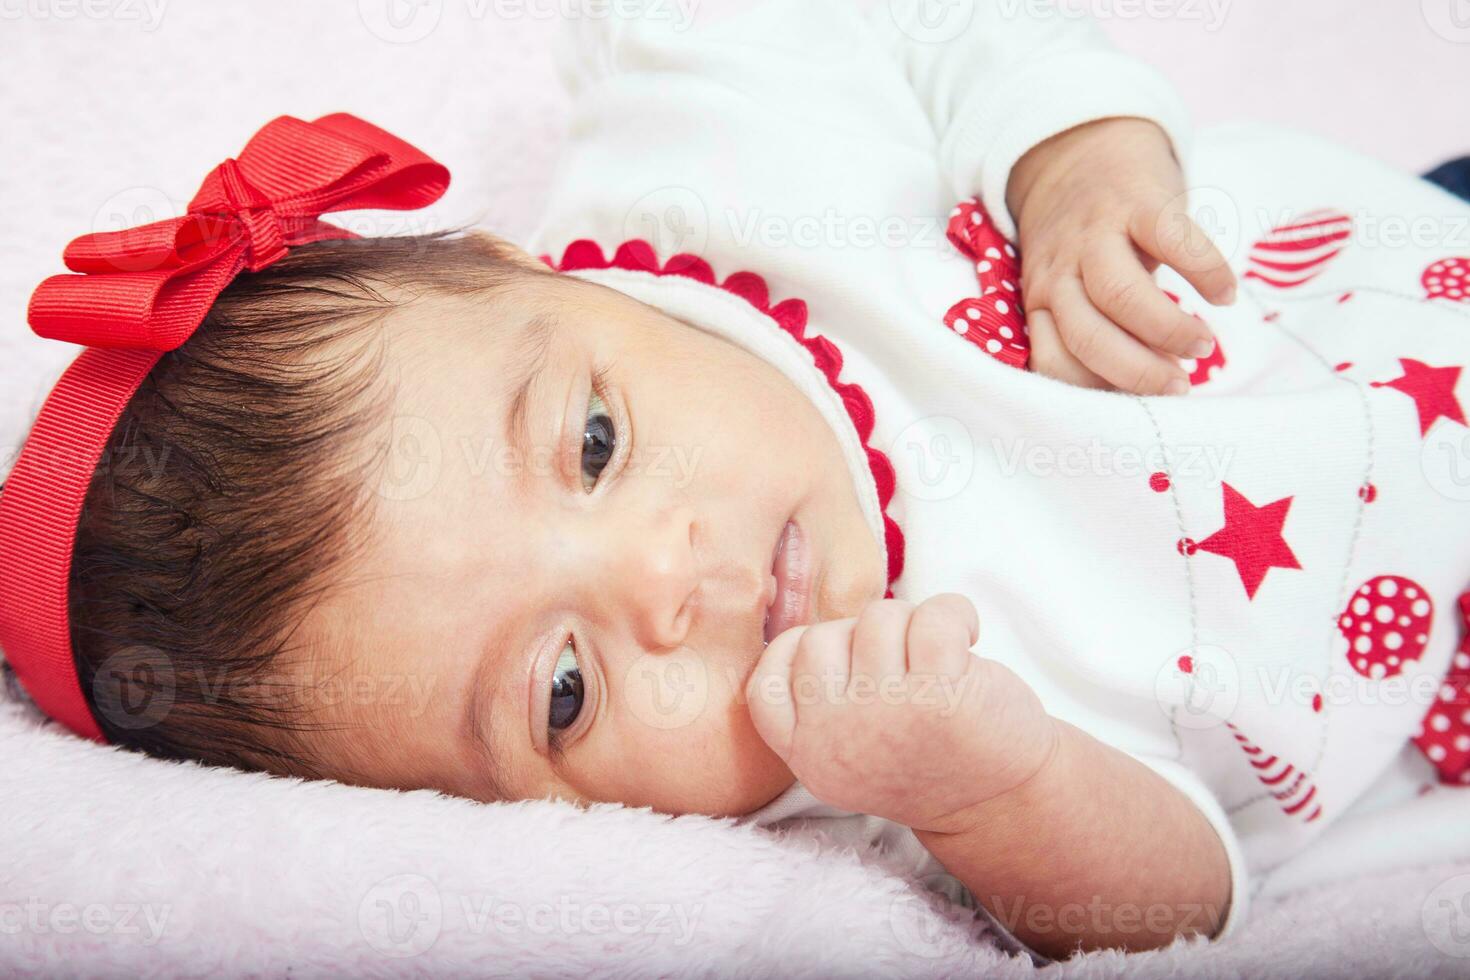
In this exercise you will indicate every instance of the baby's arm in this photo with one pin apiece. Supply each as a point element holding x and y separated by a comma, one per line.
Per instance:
<point>1068,842</point>
<point>694,134</point>
<point>1094,850</point>
<point>1037,114</point>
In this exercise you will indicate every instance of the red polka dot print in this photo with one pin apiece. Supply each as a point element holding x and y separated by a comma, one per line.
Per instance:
<point>994,321</point>
<point>1448,279</point>
<point>1386,625</point>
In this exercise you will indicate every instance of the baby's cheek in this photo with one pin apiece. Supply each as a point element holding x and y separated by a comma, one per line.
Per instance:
<point>685,742</point>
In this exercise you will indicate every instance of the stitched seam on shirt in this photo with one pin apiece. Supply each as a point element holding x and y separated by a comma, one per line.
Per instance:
<point>1264,872</point>
<point>1188,567</point>
<point>1442,306</point>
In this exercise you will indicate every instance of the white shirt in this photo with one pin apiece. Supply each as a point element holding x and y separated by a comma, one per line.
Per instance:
<point>1251,589</point>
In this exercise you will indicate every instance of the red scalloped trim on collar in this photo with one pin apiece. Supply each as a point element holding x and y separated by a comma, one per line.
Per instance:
<point>790,315</point>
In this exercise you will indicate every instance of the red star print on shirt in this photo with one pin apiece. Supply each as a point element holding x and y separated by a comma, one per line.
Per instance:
<point>1433,391</point>
<point>1252,538</point>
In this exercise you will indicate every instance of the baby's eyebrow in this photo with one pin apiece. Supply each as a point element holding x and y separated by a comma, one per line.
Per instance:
<point>529,361</point>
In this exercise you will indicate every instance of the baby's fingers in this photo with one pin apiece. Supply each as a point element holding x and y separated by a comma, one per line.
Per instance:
<point>877,641</point>
<point>940,634</point>
<point>1119,286</point>
<point>1109,350</point>
<point>768,692</point>
<point>1171,236</point>
<point>1049,356</point>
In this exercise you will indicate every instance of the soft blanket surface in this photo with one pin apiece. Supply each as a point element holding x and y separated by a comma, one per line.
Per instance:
<point>111,864</point>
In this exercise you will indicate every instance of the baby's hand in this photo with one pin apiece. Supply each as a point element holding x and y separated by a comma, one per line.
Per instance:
<point>1099,208</point>
<point>890,713</point>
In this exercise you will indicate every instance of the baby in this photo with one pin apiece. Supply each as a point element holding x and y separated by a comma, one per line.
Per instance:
<point>711,525</point>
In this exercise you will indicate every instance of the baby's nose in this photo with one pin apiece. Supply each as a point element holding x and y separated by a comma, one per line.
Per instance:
<point>656,580</point>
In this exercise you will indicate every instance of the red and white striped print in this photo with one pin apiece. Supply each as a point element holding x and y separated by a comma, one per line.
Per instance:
<point>1292,787</point>
<point>1297,252</point>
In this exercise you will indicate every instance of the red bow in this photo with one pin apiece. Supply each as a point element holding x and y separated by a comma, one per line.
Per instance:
<point>1444,735</point>
<point>148,288</point>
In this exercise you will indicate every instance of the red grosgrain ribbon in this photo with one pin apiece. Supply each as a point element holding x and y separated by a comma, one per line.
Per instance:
<point>136,294</point>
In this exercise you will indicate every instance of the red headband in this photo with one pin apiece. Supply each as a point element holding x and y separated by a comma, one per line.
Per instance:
<point>140,293</point>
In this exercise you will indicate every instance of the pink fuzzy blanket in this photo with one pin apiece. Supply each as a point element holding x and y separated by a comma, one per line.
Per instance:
<point>112,864</point>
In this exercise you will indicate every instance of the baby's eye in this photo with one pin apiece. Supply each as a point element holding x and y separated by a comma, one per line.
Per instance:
<point>566,691</point>
<point>598,442</point>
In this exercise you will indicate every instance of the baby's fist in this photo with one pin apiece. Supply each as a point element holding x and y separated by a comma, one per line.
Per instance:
<point>890,713</point>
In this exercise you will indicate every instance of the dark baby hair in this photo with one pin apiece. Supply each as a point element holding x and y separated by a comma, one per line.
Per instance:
<point>235,481</point>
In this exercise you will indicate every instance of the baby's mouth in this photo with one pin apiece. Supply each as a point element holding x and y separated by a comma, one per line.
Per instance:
<point>791,567</point>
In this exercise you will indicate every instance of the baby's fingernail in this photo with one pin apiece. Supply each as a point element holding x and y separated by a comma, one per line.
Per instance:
<point>1202,348</point>
<point>1178,386</point>
<point>1228,297</point>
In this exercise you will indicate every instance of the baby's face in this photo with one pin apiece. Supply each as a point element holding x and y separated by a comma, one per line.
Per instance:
<point>567,580</point>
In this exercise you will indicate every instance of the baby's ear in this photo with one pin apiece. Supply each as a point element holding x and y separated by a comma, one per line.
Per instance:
<point>501,249</point>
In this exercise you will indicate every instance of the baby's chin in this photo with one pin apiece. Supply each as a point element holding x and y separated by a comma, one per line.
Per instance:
<point>755,790</point>
<point>764,775</point>
<point>782,787</point>
<point>749,776</point>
